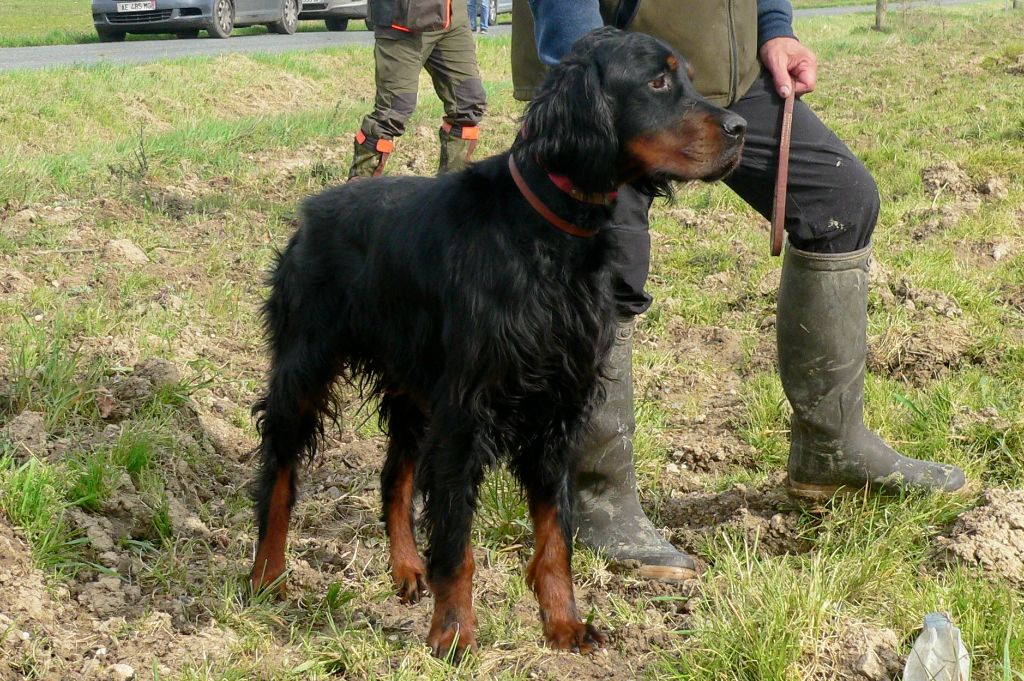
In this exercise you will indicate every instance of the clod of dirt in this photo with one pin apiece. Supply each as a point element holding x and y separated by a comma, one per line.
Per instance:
<point>991,535</point>
<point>98,530</point>
<point>14,282</point>
<point>919,354</point>
<point>993,187</point>
<point>109,407</point>
<point>125,250</point>
<point>948,179</point>
<point>170,201</point>
<point>27,432</point>
<point>157,371</point>
<point>928,221</point>
<point>1016,68</point>
<point>121,672</point>
<point>228,440</point>
<point>105,596</point>
<point>183,520</point>
<point>861,651</point>
<point>915,298</point>
<point>1012,295</point>
<point>22,588</point>
<point>25,216</point>
<point>765,515</point>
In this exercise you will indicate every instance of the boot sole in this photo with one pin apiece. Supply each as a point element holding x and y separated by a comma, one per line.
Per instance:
<point>666,573</point>
<point>811,492</point>
<point>819,492</point>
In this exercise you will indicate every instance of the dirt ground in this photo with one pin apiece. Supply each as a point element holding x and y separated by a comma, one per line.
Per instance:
<point>122,617</point>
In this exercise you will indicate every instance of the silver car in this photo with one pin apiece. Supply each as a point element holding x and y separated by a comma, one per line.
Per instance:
<point>500,7</point>
<point>185,18</point>
<point>335,13</point>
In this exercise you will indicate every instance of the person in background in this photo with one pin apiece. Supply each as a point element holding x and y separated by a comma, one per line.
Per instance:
<point>746,58</point>
<point>410,35</point>
<point>483,7</point>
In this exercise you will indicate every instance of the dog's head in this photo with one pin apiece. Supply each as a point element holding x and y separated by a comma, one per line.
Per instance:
<point>620,107</point>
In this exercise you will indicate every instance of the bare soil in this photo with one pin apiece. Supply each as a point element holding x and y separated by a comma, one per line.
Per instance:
<point>125,613</point>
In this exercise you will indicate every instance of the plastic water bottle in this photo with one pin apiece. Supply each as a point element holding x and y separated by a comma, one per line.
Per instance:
<point>939,653</point>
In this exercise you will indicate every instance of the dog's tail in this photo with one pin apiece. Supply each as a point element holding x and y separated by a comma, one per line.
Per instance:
<point>299,397</point>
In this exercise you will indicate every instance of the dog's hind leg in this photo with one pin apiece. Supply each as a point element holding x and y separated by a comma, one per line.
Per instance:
<point>549,573</point>
<point>405,427</point>
<point>290,421</point>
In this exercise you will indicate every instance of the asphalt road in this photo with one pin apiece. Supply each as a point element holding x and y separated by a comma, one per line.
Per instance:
<point>137,52</point>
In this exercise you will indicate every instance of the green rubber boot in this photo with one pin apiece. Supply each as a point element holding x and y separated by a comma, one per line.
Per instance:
<point>607,511</point>
<point>457,146</point>
<point>822,329</point>
<point>370,157</point>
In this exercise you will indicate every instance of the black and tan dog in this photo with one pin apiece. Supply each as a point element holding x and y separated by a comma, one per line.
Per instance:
<point>478,307</point>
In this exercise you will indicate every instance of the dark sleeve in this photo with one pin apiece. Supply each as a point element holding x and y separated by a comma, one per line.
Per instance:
<point>557,24</point>
<point>774,20</point>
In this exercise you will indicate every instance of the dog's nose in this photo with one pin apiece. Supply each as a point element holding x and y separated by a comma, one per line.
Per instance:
<point>734,125</point>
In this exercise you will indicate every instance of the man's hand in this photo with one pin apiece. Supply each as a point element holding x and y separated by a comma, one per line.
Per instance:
<point>793,67</point>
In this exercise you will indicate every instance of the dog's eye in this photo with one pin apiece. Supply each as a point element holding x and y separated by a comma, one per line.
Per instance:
<point>661,83</point>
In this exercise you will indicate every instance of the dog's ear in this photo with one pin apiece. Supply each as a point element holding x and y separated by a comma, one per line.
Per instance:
<point>569,127</point>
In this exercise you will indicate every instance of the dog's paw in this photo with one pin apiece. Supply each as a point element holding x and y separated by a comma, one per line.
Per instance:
<point>579,637</point>
<point>451,643</point>
<point>410,582</point>
<point>268,577</point>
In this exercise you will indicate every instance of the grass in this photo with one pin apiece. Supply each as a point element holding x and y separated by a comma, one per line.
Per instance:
<point>201,163</point>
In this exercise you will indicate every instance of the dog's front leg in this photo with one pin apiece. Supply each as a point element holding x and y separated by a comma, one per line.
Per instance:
<point>456,468</point>
<point>549,574</point>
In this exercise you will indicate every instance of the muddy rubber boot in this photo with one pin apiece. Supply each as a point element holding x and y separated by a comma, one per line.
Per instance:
<point>607,511</point>
<point>370,156</point>
<point>822,344</point>
<point>457,146</point>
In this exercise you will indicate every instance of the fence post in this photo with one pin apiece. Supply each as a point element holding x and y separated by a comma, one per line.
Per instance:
<point>881,9</point>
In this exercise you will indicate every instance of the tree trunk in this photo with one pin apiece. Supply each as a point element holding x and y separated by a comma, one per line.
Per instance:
<point>881,9</point>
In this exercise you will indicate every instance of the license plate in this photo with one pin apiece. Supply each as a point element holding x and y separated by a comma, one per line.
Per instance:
<point>136,6</point>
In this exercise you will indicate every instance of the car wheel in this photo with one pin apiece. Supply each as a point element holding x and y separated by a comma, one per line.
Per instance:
<point>223,19</point>
<point>190,34</point>
<point>336,23</point>
<point>289,18</point>
<point>108,36</point>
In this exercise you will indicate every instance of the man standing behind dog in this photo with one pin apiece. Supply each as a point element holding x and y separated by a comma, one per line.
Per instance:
<point>410,35</point>
<point>747,59</point>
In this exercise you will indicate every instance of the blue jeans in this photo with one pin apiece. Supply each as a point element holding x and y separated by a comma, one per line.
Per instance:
<point>484,7</point>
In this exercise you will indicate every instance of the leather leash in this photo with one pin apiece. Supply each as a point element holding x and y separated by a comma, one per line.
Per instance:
<point>781,177</point>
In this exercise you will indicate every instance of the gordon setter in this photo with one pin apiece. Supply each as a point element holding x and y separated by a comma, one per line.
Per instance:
<point>478,308</point>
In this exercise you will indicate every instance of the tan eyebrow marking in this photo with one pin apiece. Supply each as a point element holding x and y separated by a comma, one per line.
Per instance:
<point>673,63</point>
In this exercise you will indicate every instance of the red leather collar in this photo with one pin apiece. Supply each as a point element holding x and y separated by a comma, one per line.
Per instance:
<point>542,209</point>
